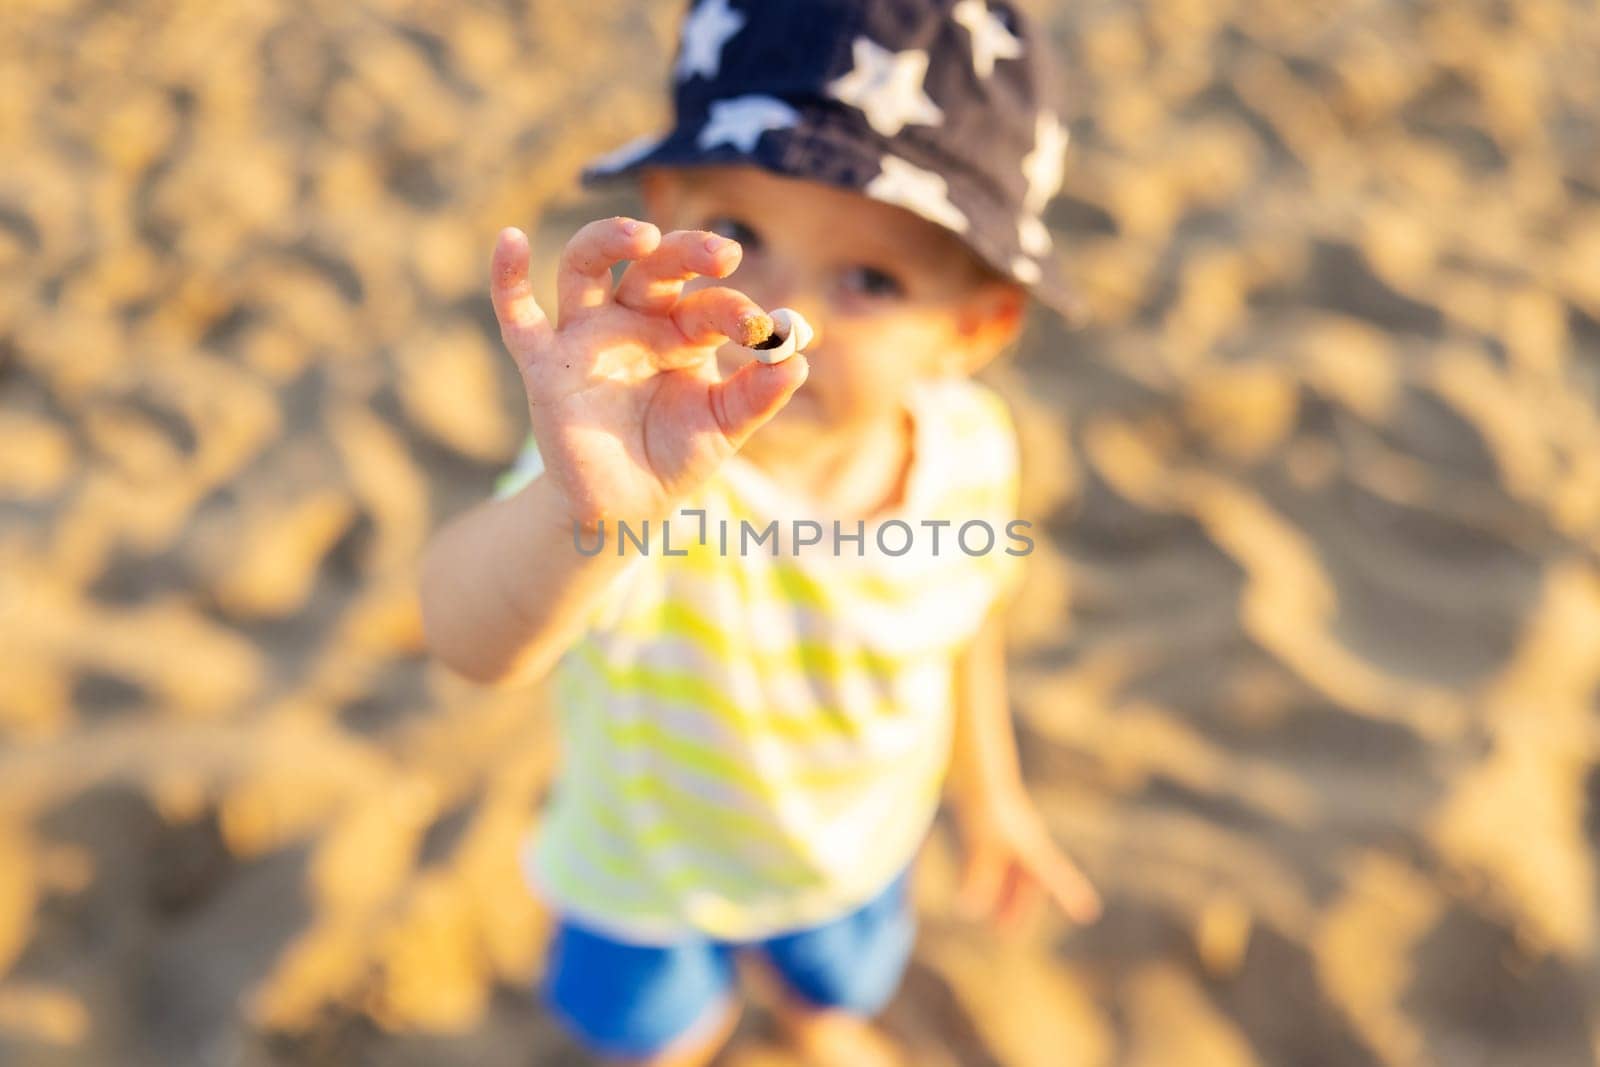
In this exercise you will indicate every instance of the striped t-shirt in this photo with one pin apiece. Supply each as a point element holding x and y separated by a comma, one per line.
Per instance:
<point>752,743</point>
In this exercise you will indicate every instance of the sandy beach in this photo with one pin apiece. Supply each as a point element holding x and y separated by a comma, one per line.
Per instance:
<point>1305,671</point>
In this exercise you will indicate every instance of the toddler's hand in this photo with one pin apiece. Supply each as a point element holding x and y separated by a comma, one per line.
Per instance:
<point>627,406</point>
<point>1010,861</point>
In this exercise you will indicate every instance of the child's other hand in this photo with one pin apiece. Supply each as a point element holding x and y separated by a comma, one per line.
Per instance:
<point>1011,863</point>
<point>627,405</point>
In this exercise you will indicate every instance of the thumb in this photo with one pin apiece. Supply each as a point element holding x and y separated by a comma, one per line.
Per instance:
<point>754,393</point>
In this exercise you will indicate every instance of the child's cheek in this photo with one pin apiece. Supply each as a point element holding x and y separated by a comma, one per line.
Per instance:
<point>864,384</point>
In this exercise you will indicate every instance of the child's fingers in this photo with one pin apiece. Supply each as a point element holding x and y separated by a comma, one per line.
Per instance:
<point>754,393</point>
<point>712,315</point>
<point>583,277</point>
<point>524,327</point>
<point>653,283</point>
<point>1069,888</point>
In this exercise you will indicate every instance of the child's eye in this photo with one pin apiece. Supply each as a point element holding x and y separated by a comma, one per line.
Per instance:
<point>873,282</point>
<point>731,228</point>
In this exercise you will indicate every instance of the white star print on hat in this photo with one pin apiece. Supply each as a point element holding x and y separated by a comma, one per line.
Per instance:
<point>742,120</point>
<point>704,34</point>
<point>990,38</point>
<point>1045,166</point>
<point>1032,235</point>
<point>887,87</point>
<point>1024,270</point>
<point>922,191</point>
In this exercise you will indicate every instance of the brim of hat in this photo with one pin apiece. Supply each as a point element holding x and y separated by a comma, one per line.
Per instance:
<point>677,148</point>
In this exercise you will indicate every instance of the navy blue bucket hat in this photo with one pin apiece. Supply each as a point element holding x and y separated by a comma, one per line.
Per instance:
<point>945,107</point>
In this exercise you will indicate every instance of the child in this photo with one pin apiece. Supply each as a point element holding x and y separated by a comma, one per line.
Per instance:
<point>755,739</point>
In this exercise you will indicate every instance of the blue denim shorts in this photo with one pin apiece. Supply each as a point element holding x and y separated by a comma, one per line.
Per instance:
<point>626,1000</point>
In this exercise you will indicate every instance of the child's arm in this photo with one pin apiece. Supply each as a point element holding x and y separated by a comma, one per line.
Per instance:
<point>983,759</point>
<point>630,415</point>
<point>1009,853</point>
<point>504,589</point>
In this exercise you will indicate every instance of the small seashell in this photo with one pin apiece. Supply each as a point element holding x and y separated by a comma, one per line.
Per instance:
<point>791,333</point>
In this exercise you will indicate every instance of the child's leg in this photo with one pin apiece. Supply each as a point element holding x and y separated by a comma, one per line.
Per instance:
<point>830,980</point>
<point>826,1036</point>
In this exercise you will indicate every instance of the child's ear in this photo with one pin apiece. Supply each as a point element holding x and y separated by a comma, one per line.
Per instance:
<point>990,320</point>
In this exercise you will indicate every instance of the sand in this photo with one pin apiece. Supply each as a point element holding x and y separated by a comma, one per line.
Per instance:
<point>1304,674</point>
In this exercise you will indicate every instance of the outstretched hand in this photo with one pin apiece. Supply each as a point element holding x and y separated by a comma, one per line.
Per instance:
<point>626,402</point>
<point>1011,865</point>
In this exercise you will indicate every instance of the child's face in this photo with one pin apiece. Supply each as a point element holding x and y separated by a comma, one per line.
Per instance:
<point>892,297</point>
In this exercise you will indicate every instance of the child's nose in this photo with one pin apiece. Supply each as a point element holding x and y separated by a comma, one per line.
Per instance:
<point>792,286</point>
<point>805,301</point>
